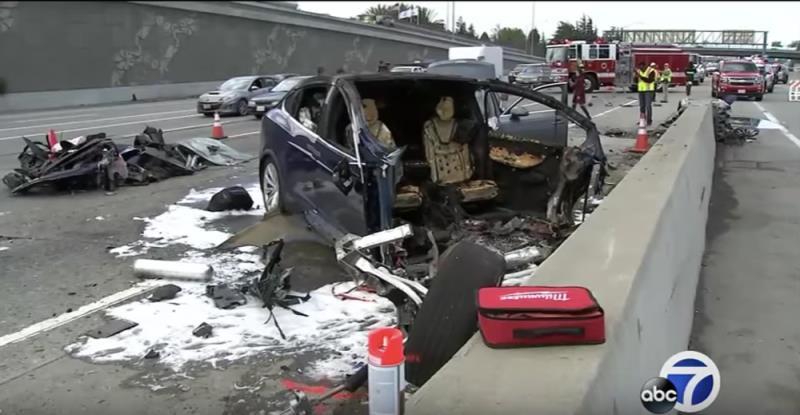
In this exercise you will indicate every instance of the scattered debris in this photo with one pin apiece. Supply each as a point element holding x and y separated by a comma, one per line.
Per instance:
<point>111,328</point>
<point>230,198</point>
<point>617,132</point>
<point>152,354</point>
<point>212,151</point>
<point>203,330</point>
<point>165,292</point>
<point>150,268</point>
<point>224,297</point>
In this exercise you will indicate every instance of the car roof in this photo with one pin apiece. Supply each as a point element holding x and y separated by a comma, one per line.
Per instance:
<point>390,76</point>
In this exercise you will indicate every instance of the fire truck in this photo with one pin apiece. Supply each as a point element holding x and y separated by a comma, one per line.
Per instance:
<point>613,64</point>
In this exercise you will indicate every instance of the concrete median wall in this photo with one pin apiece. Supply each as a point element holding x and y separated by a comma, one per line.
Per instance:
<point>69,46</point>
<point>640,253</point>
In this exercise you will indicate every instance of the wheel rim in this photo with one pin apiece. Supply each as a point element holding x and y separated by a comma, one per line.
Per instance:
<point>270,188</point>
<point>242,108</point>
<point>587,85</point>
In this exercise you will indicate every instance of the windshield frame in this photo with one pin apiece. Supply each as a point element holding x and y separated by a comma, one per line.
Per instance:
<point>292,81</point>
<point>556,54</point>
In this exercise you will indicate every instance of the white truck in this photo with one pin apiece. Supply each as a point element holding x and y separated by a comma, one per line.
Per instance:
<point>490,54</point>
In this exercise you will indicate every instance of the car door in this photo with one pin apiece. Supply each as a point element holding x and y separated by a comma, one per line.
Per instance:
<point>325,172</point>
<point>511,111</point>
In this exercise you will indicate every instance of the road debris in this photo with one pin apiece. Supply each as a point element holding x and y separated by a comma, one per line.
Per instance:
<point>111,328</point>
<point>165,292</point>
<point>230,198</point>
<point>225,297</point>
<point>204,330</point>
<point>152,354</point>
<point>176,270</point>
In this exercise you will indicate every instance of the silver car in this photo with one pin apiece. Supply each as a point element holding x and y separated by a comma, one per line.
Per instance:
<point>231,97</point>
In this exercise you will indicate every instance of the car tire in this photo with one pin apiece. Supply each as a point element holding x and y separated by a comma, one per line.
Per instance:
<point>258,116</point>
<point>447,318</point>
<point>760,97</point>
<point>271,187</point>
<point>241,107</point>
<point>594,84</point>
<point>208,114</point>
<point>713,93</point>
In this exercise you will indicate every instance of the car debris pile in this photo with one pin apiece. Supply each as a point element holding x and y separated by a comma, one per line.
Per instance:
<point>732,130</point>
<point>96,161</point>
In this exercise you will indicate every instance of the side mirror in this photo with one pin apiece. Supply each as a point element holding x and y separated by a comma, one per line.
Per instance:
<point>518,111</point>
<point>254,87</point>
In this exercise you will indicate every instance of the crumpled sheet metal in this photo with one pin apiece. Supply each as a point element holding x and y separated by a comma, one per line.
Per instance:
<point>213,152</point>
<point>519,161</point>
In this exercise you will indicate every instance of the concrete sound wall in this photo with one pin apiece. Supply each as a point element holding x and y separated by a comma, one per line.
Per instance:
<point>640,254</point>
<point>64,46</point>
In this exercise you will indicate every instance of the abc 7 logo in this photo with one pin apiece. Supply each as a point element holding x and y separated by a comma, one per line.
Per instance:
<point>659,395</point>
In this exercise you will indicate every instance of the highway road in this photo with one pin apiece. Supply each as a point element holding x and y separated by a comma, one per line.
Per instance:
<point>54,259</point>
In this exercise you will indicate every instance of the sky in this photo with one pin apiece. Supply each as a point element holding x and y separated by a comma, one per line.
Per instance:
<point>779,18</point>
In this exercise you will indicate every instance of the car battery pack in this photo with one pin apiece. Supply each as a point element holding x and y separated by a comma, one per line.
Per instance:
<point>539,316</point>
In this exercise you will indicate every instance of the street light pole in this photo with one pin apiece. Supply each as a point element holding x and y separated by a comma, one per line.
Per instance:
<point>533,26</point>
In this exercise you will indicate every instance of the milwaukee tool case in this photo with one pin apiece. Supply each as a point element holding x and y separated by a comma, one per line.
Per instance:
<point>539,316</point>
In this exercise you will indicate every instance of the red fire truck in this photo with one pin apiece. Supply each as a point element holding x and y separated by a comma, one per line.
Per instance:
<point>613,64</point>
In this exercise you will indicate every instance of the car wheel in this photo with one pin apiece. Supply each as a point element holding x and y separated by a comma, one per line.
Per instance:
<point>591,83</point>
<point>241,107</point>
<point>271,187</point>
<point>207,114</point>
<point>713,93</point>
<point>447,318</point>
<point>760,97</point>
<point>772,88</point>
<point>258,116</point>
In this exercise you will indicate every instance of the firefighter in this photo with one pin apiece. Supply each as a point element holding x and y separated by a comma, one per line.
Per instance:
<point>656,78</point>
<point>690,72</point>
<point>646,85</point>
<point>665,79</point>
<point>579,91</point>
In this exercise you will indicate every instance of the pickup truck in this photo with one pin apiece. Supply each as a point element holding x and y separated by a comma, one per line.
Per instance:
<point>740,78</point>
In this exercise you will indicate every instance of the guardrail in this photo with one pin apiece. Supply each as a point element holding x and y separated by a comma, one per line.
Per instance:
<point>640,254</point>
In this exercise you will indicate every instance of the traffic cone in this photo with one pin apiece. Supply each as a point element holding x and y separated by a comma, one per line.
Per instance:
<point>216,128</point>
<point>642,143</point>
<point>52,141</point>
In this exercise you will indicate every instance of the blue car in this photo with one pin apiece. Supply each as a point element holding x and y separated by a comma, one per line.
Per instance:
<point>322,159</point>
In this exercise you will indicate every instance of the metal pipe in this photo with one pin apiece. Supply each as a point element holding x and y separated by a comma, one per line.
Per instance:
<point>383,237</point>
<point>149,268</point>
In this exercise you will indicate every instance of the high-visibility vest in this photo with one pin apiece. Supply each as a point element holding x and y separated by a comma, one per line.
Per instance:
<point>643,86</point>
<point>666,76</point>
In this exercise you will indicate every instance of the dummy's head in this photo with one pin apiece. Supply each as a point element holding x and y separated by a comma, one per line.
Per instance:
<point>444,109</point>
<point>370,110</point>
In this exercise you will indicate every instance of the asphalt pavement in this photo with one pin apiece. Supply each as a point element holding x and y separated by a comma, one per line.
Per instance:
<point>56,261</point>
<point>749,292</point>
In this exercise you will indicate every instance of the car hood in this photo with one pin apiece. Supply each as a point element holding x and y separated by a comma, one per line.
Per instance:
<point>269,96</point>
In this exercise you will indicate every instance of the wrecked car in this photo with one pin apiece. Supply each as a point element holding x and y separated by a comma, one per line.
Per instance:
<point>362,153</point>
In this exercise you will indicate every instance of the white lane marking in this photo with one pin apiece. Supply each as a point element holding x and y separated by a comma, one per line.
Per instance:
<point>244,134</point>
<point>65,318</point>
<point>185,127</point>
<point>96,127</point>
<point>608,111</point>
<point>781,127</point>
<point>54,118</point>
<point>97,120</point>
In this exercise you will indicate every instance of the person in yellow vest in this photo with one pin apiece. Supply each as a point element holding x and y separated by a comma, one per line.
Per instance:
<point>646,86</point>
<point>665,79</point>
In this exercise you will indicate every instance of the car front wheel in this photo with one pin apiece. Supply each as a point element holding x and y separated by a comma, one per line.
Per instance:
<point>241,107</point>
<point>271,187</point>
<point>760,97</point>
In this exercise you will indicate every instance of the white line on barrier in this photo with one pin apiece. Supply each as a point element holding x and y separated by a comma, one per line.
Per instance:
<point>65,318</point>
<point>60,117</point>
<point>122,106</point>
<point>784,130</point>
<point>243,134</point>
<point>97,120</point>
<point>94,127</point>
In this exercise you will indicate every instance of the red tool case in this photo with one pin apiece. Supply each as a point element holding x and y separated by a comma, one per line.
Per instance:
<point>539,316</point>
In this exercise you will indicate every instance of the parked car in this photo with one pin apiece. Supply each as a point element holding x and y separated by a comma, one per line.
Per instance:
<point>771,76</point>
<point>535,75</point>
<point>410,68</point>
<point>781,74</point>
<point>335,172</point>
<point>512,75</point>
<point>740,78</point>
<point>261,104</point>
<point>711,67</point>
<point>468,68</point>
<point>231,97</point>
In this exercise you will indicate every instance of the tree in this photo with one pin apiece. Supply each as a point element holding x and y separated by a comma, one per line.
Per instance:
<point>461,27</point>
<point>471,31</point>
<point>565,30</point>
<point>795,45</point>
<point>536,43</point>
<point>585,30</point>
<point>509,36</point>
<point>425,15</point>
<point>615,33</point>
<point>485,37</point>
<point>777,44</point>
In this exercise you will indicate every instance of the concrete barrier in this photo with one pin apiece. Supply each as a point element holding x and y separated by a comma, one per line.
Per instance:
<point>94,96</point>
<point>640,254</point>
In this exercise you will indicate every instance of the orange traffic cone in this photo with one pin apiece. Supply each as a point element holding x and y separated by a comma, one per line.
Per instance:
<point>216,128</point>
<point>52,141</point>
<point>642,143</point>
